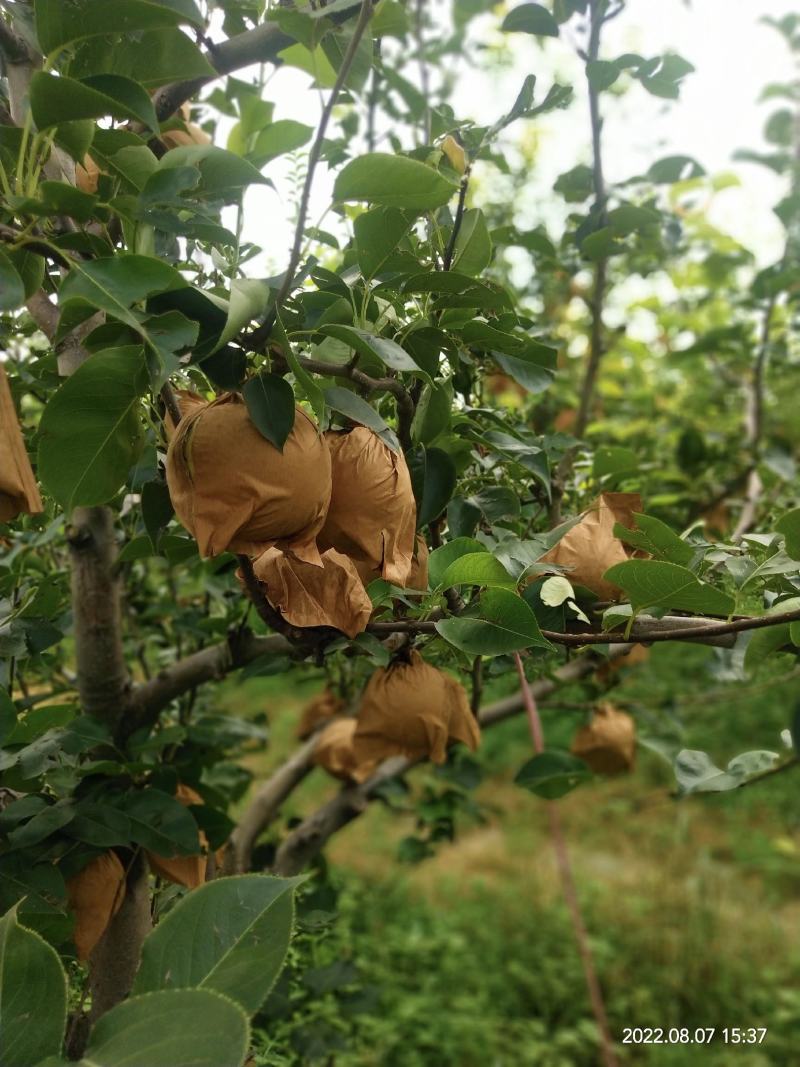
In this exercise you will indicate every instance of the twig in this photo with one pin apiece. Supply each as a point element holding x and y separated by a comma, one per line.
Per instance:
<point>568,881</point>
<point>260,335</point>
<point>477,685</point>
<point>462,198</point>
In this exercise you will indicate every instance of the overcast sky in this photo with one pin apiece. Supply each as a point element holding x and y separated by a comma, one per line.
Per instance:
<point>735,56</point>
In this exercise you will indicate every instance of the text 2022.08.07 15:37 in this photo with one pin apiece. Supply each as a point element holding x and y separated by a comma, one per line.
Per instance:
<point>729,1035</point>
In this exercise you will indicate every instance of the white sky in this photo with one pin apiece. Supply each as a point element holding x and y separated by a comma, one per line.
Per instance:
<point>734,56</point>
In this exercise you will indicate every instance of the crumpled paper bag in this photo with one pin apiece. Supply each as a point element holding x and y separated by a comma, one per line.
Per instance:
<point>307,595</point>
<point>608,743</point>
<point>321,708</point>
<point>95,895</point>
<point>18,489</point>
<point>413,710</point>
<point>188,401</point>
<point>372,515</point>
<point>589,548</point>
<point>235,491</point>
<point>189,871</point>
<point>335,752</point>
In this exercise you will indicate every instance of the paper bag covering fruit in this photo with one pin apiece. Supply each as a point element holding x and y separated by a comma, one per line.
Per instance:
<point>372,515</point>
<point>336,754</point>
<point>608,743</point>
<point>412,709</point>
<point>320,709</point>
<point>188,401</point>
<point>189,871</point>
<point>305,595</point>
<point>94,896</point>
<point>18,490</point>
<point>234,491</point>
<point>418,575</point>
<point>637,655</point>
<point>589,548</point>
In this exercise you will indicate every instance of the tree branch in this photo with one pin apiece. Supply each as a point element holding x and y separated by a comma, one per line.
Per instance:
<point>311,836</point>
<point>265,806</point>
<point>150,698</point>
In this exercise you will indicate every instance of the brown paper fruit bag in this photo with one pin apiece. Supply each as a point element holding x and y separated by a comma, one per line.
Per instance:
<point>372,515</point>
<point>183,870</point>
<point>412,709</point>
<point>95,895</point>
<point>335,752</point>
<point>233,490</point>
<point>307,595</point>
<point>18,490</point>
<point>589,548</point>
<point>320,709</point>
<point>418,575</point>
<point>188,402</point>
<point>608,743</point>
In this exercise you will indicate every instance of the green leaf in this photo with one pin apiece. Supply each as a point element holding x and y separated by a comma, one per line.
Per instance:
<point>439,477</point>
<point>102,397</point>
<point>614,461</point>
<point>30,268</point>
<point>172,1027</point>
<point>552,774</point>
<point>280,137</point>
<point>58,100</point>
<point>248,923</point>
<point>441,558</point>
<point>394,181</point>
<point>8,715</point>
<point>764,642</point>
<point>433,413</point>
<point>651,583</point>
<point>378,233</point>
<point>157,509</point>
<point>12,288</point>
<point>151,57</point>
<point>224,175</point>
<point>789,526</point>
<point>271,407</point>
<point>160,823</point>
<point>114,284</point>
<point>530,18</point>
<point>249,300</point>
<point>675,169</point>
<point>354,407</point>
<point>655,537</point>
<point>476,568</point>
<point>59,24</point>
<point>33,996</point>
<point>602,73</point>
<point>501,622</point>
<point>369,344</point>
<point>473,251</point>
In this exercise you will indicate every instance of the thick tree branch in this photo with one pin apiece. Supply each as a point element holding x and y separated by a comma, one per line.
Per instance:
<point>151,697</point>
<point>265,806</point>
<point>311,836</point>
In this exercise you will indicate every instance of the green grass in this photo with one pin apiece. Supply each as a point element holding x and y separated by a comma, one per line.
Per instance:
<point>468,960</point>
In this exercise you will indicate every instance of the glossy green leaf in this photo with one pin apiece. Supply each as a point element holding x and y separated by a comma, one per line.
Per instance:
<point>441,558</point>
<point>530,18</point>
<point>102,397</point>
<point>271,407</point>
<point>501,622</point>
<point>160,823</point>
<point>59,23</point>
<point>388,352</point>
<point>196,1027</point>
<point>354,407</point>
<point>394,181</point>
<point>151,57</point>
<point>224,175</point>
<point>652,583</point>
<point>378,233</point>
<point>12,287</point>
<point>33,996</point>
<point>438,481</point>
<point>552,774</point>
<point>789,526</point>
<point>473,251</point>
<point>280,137</point>
<point>157,509</point>
<point>656,538</point>
<point>476,568</point>
<point>58,100</point>
<point>249,923</point>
